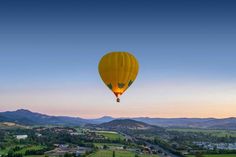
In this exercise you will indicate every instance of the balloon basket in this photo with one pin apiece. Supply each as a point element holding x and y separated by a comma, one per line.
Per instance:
<point>118,100</point>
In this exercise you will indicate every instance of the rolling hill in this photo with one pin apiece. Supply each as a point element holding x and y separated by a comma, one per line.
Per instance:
<point>26,117</point>
<point>204,123</point>
<point>127,124</point>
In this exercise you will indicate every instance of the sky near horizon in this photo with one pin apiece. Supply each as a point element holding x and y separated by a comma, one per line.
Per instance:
<point>50,49</point>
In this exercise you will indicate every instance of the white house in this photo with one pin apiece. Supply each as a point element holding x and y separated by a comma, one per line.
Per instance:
<point>21,137</point>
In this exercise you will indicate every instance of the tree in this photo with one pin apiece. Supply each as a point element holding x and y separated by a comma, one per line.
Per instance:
<point>10,153</point>
<point>124,147</point>
<point>68,155</point>
<point>105,147</point>
<point>199,154</point>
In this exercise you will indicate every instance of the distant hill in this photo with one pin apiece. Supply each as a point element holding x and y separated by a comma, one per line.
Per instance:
<point>127,124</point>
<point>174,122</point>
<point>101,120</point>
<point>205,123</point>
<point>26,117</point>
<point>226,123</point>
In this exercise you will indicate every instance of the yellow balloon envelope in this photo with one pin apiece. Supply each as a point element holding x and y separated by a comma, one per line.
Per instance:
<point>118,71</point>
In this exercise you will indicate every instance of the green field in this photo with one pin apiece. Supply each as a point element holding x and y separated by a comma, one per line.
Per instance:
<point>217,155</point>
<point>110,135</point>
<point>108,144</point>
<point>22,151</point>
<point>108,153</point>
<point>217,133</point>
<point>3,151</point>
<point>35,156</point>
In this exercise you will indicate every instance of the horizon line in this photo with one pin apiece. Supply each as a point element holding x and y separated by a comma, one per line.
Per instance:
<point>115,117</point>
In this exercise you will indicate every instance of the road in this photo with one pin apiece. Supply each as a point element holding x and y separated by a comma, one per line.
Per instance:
<point>165,153</point>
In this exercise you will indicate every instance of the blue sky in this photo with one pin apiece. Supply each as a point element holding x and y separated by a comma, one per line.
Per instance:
<point>50,49</point>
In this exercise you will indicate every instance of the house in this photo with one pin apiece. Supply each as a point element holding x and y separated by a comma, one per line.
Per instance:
<point>63,149</point>
<point>74,134</point>
<point>38,134</point>
<point>21,137</point>
<point>63,146</point>
<point>82,150</point>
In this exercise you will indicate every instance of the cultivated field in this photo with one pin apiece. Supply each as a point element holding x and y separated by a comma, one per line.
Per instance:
<point>217,133</point>
<point>36,147</point>
<point>220,155</point>
<point>110,135</point>
<point>108,144</point>
<point>108,153</point>
<point>23,150</point>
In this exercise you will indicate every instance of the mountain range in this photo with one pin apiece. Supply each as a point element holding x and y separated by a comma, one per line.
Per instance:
<point>27,117</point>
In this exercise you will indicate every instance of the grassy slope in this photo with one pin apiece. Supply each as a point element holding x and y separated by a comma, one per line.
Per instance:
<point>217,133</point>
<point>220,155</point>
<point>111,135</point>
<point>108,153</point>
<point>4,151</point>
<point>108,144</point>
<point>35,156</point>
<point>22,151</point>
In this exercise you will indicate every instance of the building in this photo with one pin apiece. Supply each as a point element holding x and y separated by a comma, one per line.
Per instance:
<point>21,137</point>
<point>63,149</point>
<point>82,150</point>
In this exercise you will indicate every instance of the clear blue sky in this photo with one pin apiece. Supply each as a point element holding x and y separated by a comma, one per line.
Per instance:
<point>50,49</point>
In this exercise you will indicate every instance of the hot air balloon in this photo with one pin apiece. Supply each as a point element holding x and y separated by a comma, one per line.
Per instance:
<point>118,71</point>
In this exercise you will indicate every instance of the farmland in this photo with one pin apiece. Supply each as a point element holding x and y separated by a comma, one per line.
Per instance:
<point>34,147</point>
<point>216,155</point>
<point>212,132</point>
<point>108,153</point>
<point>22,149</point>
<point>110,135</point>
